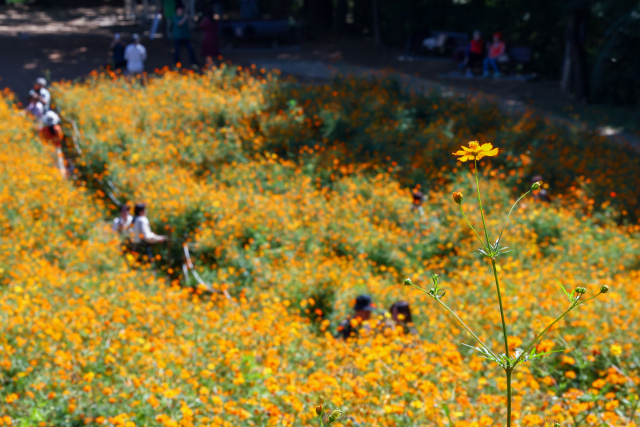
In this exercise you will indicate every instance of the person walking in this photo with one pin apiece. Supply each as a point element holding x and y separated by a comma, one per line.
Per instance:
<point>40,87</point>
<point>210,42</point>
<point>182,37</point>
<point>117,52</point>
<point>51,132</point>
<point>135,54</point>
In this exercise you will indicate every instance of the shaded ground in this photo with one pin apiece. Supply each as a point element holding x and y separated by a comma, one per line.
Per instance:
<point>69,43</point>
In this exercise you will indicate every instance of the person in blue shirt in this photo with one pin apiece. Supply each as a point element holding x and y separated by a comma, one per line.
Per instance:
<point>182,36</point>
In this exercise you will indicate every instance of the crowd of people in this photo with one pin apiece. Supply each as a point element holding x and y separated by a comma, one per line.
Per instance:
<point>131,58</point>
<point>489,54</point>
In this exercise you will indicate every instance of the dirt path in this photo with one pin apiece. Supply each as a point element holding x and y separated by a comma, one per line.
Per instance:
<point>70,43</point>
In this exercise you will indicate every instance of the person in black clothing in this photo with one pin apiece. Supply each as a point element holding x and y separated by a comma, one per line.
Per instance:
<point>117,52</point>
<point>362,312</point>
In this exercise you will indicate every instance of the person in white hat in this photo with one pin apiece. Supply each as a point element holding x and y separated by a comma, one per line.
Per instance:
<point>40,86</point>
<point>135,54</point>
<point>51,132</point>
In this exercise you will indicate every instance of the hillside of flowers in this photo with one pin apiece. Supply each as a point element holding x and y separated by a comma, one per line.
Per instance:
<point>296,199</point>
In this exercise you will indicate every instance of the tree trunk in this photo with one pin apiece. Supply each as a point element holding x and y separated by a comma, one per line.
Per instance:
<point>320,14</point>
<point>576,75</point>
<point>341,15</point>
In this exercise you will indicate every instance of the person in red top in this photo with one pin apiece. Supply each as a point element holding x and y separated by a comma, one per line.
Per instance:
<point>474,53</point>
<point>496,50</point>
<point>51,132</point>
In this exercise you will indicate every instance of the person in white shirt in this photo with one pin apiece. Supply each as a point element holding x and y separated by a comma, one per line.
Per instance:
<point>35,107</point>
<point>135,54</point>
<point>40,87</point>
<point>142,235</point>
<point>122,224</point>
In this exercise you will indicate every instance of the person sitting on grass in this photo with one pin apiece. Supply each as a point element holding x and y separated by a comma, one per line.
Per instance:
<point>362,312</point>
<point>401,316</point>
<point>142,235</point>
<point>418,199</point>
<point>542,194</point>
<point>496,50</point>
<point>474,53</point>
<point>122,223</point>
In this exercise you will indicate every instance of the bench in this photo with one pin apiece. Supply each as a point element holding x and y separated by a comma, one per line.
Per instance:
<point>442,43</point>
<point>519,60</point>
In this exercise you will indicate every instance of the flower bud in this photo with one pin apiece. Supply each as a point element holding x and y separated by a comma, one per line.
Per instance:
<point>335,415</point>
<point>604,289</point>
<point>408,282</point>
<point>457,197</point>
<point>536,185</point>
<point>319,409</point>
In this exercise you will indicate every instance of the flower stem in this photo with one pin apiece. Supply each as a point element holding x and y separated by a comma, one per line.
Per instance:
<point>504,324</point>
<point>508,216</point>
<point>474,230</point>
<point>508,397</point>
<point>574,305</point>
<point>459,320</point>
<point>484,224</point>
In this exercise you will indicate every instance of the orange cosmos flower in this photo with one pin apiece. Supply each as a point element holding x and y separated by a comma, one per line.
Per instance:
<point>476,151</point>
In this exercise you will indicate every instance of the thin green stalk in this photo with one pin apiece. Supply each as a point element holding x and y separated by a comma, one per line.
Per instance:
<point>553,323</point>
<point>508,397</point>
<point>504,324</point>
<point>474,230</point>
<point>484,224</point>
<point>508,216</point>
<point>459,320</point>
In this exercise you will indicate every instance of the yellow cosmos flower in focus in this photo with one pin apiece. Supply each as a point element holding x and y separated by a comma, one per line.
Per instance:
<point>475,151</point>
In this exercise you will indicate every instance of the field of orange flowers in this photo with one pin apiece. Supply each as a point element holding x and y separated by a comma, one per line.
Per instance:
<point>296,199</point>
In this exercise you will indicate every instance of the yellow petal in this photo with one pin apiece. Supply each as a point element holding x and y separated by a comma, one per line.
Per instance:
<point>491,153</point>
<point>486,147</point>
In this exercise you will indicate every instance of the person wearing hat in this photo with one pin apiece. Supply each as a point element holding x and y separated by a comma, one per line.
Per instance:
<point>135,54</point>
<point>117,52</point>
<point>418,199</point>
<point>40,88</point>
<point>362,312</point>
<point>496,50</point>
<point>51,132</point>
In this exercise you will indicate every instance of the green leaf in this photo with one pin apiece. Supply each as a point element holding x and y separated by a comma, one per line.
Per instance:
<point>565,291</point>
